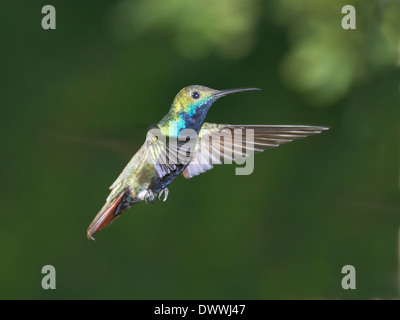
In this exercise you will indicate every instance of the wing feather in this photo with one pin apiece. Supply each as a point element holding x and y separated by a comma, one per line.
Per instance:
<point>231,142</point>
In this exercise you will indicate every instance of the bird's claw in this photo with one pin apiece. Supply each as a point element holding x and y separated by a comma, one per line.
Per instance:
<point>163,195</point>
<point>149,197</point>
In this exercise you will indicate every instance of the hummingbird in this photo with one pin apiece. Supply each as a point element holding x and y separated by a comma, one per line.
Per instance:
<point>146,176</point>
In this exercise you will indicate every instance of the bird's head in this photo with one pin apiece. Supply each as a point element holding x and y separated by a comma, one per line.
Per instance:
<point>195,101</point>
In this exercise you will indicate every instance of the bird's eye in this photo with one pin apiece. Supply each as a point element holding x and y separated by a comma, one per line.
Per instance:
<point>195,95</point>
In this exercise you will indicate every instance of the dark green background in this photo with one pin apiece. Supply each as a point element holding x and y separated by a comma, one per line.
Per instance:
<point>75,106</point>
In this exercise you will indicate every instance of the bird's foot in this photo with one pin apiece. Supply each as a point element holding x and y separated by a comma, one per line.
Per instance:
<point>163,195</point>
<point>149,197</point>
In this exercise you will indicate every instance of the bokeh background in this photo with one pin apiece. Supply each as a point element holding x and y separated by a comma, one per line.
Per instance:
<point>76,103</point>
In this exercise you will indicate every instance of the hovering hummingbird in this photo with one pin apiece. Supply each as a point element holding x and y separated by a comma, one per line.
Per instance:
<point>152,168</point>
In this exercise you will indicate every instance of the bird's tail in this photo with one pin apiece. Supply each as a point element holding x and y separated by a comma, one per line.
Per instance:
<point>110,211</point>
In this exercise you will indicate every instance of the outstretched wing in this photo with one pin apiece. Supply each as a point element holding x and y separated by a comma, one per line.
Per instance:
<point>224,143</point>
<point>166,153</point>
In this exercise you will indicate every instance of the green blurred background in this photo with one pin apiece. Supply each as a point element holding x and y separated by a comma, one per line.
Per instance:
<point>76,104</point>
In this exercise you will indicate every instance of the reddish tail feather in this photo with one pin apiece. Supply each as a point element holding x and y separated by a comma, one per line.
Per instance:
<point>106,215</point>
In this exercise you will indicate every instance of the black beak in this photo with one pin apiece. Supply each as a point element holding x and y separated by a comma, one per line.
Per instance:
<point>222,93</point>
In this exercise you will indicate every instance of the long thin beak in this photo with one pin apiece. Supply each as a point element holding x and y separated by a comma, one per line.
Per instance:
<point>222,93</point>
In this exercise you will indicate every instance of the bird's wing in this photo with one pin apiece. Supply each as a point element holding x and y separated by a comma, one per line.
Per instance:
<point>165,153</point>
<point>224,143</point>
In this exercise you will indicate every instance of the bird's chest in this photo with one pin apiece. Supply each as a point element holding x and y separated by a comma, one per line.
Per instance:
<point>194,120</point>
